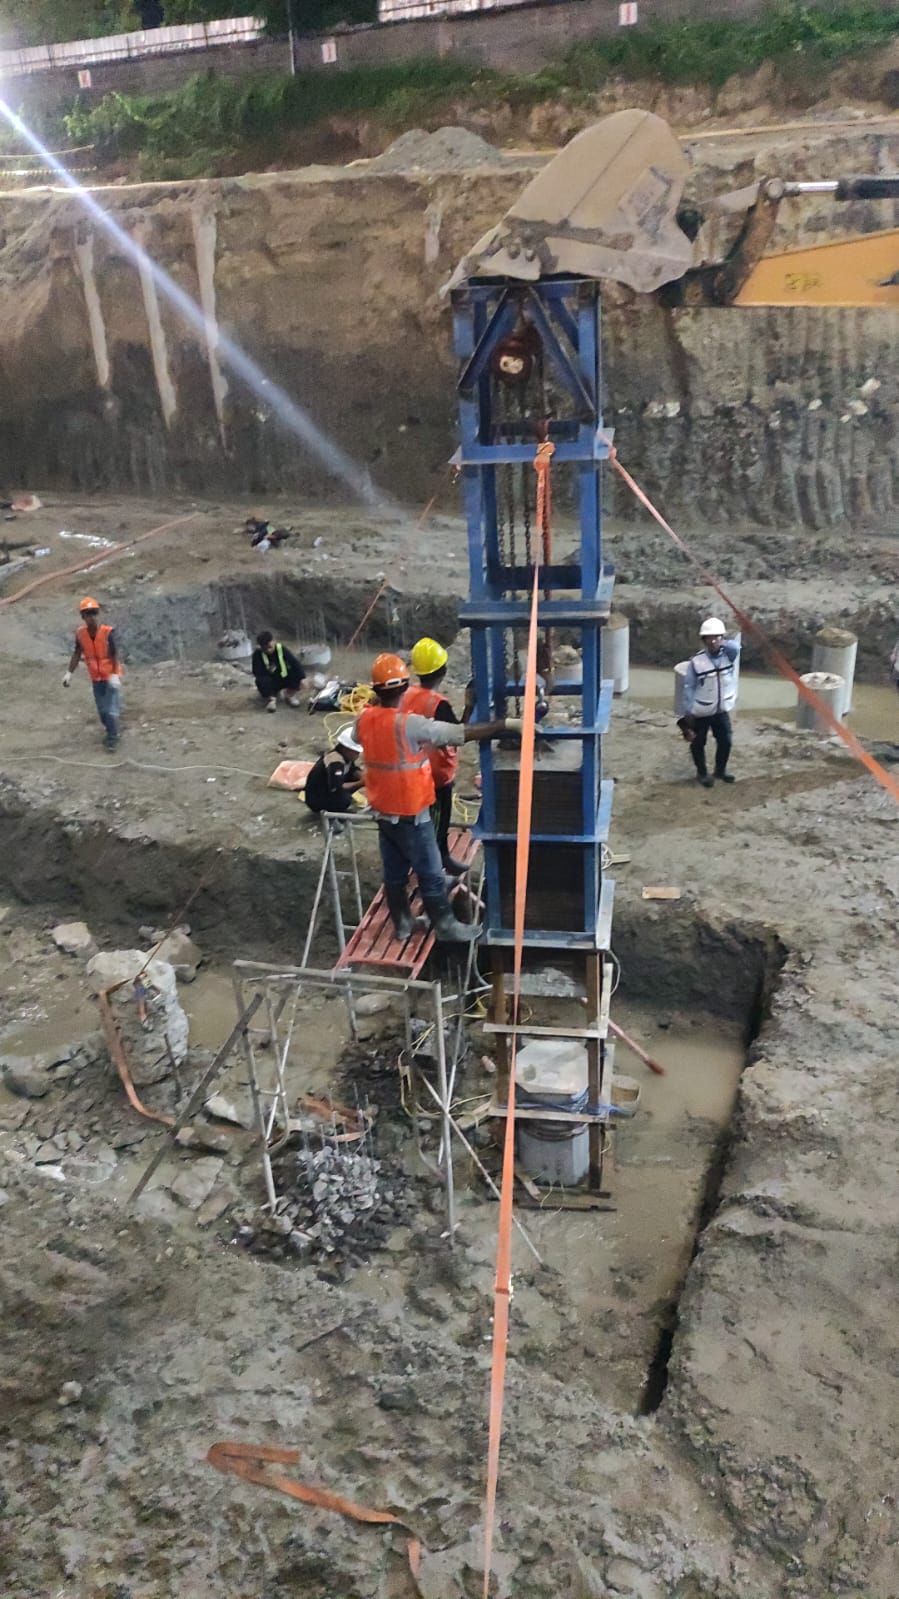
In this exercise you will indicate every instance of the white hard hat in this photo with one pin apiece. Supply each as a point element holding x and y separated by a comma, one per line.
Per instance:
<point>712,627</point>
<point>347,739</point>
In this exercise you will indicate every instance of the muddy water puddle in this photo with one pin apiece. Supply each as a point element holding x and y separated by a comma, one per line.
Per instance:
<point>874,714</point>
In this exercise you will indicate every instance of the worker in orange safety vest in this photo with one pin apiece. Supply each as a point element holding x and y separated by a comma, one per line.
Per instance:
<point>399,787</point>
<point>429,660</point>
<point>96,646</point>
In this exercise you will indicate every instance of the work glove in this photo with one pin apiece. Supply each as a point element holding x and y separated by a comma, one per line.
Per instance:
<point>67,680</point>
<point>687,726</point>
<point>513,724</point>
<point>114,680</point>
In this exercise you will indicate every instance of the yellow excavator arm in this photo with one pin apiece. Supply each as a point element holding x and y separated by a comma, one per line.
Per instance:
<point>849,272</point>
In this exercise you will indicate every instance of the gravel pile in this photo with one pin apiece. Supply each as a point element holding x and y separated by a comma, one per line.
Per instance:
<point>336,1202</point>
<point>447,150</point>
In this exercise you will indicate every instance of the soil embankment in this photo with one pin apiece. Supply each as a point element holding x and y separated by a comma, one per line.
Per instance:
<point>330,277</point>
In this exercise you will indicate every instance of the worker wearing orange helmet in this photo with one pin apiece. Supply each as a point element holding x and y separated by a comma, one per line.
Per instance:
<point>429,661</point>
<point>399,787</point>
<point>95,644</point>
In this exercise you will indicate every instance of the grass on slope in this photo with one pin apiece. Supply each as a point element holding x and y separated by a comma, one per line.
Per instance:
<point>192,130</point>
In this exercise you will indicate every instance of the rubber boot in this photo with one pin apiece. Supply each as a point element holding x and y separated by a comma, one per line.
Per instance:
<point>446,929</point>
<point>453,867</point>
<point>404,923</point>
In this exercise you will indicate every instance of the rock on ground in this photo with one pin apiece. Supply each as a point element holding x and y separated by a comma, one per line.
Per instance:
<point>167,1026</point>
<point>74,938</point>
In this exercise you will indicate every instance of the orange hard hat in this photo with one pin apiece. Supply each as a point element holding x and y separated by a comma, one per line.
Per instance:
<point>388,671</point>
<point>89,605</point>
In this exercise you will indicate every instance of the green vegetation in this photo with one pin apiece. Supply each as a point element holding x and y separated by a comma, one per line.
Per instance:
<point>194,129</point>
<point>203,126</point>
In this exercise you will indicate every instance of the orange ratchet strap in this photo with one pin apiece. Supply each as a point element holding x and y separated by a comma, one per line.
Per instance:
<point>250,1461</point>
<point>503,1287</point>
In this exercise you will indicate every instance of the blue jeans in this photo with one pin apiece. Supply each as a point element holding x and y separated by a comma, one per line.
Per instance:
<point>106,700</point>
<point>405,844</point>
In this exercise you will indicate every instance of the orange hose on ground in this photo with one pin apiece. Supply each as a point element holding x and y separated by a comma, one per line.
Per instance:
<point>748,625</point>
<point>95,560</point>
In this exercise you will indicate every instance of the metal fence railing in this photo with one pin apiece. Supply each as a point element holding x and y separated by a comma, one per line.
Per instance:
<point>129,46</point>
<point>416,10</point>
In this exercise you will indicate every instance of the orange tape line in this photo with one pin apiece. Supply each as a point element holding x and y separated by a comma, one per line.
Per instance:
<point>250,1461</point>
<point>784,667</point>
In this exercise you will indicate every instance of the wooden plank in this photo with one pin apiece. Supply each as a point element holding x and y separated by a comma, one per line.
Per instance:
<point>525,1031</point>
<point>593,980</point>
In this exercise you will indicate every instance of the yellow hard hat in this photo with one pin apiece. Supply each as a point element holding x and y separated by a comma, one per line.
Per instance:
<point>428,656</point>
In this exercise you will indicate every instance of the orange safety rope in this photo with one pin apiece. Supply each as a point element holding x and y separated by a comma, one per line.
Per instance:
<point>544,508</point>
<point>542,466</point>
<point>746,622</point>
<point>503,1286</point>
<point>250,1462</point>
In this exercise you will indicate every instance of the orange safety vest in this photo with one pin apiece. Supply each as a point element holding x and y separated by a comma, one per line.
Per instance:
<point>398,780</point>
<point>424,702</point>
<point>97,658</point>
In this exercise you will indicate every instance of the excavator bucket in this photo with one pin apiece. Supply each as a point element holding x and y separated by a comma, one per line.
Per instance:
<point>604,207</point>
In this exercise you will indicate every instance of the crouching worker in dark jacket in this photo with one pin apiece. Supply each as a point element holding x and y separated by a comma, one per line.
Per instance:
<point>276,670</point>
<point>335,777</point>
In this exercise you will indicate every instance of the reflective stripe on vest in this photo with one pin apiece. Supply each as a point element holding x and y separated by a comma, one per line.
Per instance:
<point>95,652</point>
<point>398,780</point>
<point>281,670</point>
<point>425,701</point>
<point>716,689</point>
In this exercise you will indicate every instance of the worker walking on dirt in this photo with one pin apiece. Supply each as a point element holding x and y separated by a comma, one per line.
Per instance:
<point>711,694</point>
<point>336,776</point>
<point>429,660</point>
<point>399,786</point>
<point>96,646</point>
<point>276,671</point>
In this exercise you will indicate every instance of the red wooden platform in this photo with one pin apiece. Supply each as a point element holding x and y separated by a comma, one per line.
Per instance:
<point>374,945</point>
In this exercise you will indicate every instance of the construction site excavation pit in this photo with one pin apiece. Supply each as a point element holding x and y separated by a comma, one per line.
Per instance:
<point>611,1279</point>
<point>701,1391</point>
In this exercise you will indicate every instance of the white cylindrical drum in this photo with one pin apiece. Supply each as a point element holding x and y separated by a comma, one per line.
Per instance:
<point>616,648</point>
<point>235,645</point>
<point>552,1073</point>
<point>680,687</point>
<point>834,651</point>
<point>831,689</point>
<point>314,656</point>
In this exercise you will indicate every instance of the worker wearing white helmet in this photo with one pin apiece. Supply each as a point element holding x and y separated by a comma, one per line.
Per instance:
<point>336,775</point>
<point>711,694</point>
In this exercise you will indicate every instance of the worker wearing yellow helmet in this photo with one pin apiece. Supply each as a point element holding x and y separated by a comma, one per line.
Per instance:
<point>399,787</point>
<point>429,661</point>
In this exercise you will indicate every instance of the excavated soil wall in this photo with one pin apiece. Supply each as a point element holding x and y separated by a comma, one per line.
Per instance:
<point>251,901</point>
<point>330,279</point>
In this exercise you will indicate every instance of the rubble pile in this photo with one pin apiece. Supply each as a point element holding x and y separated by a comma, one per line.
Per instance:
<point>337,1202</point>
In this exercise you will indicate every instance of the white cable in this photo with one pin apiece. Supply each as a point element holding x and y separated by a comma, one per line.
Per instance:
<point>140,766</point>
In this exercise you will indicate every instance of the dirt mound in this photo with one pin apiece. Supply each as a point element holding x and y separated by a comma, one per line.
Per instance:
<point>446,150</point>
